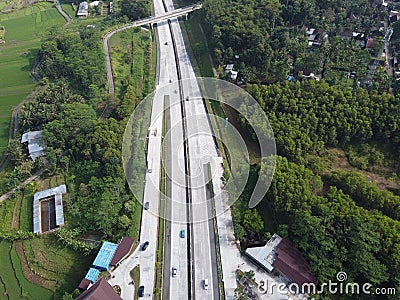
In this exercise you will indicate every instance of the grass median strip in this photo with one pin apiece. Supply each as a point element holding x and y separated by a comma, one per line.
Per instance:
<point>135,275</point>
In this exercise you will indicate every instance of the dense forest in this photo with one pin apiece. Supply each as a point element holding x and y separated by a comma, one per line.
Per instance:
<point>338,219</point>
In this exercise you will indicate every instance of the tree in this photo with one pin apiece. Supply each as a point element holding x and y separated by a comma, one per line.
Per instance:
<point>135,9</point>
<point>124,221</point>
<point>252,221</point>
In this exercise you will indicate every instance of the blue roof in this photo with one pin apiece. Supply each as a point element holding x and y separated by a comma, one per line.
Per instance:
<point>105,255</point>
<point>92,275</point>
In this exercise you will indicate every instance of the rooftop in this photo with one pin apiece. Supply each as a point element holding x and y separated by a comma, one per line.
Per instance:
<point>34,143</point>
<point>101,290</point>
<point>124,248</point>
<point>92,274</point>
<point>265,255</point>
<point>291,263</point>
<point>282,255</point>
<point>105,255</point>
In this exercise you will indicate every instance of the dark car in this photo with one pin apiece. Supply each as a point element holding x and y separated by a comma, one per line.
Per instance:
<point>145,245</point>
<point>146,205</point>
<point>182,233</point>
<point>141,291</point>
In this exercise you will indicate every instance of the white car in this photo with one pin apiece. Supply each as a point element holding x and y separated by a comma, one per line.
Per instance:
<point>205,284</point>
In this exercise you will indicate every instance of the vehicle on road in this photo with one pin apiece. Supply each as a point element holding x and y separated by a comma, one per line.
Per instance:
<point>205,284</point>
<point>174,271</point>
<point>166,43</point>
<point>182,233</point>
<point>141,291</point>
<point>150,165</point>
<point>145,245</point>
<point>146,205</point>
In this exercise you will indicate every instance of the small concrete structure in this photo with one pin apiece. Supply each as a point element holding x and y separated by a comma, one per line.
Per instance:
<point>233,75</point>
<point>229,68</point>
<point>35,148</point>
<point>50,217</point>
<point>83,9</point>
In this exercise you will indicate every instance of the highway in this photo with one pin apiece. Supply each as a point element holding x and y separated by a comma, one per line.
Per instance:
<point>200,150</point>
<point>187,149</point>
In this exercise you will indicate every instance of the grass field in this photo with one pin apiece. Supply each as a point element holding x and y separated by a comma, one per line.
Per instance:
<point>197,46</point>
<point>6,213</point>
<point>69,9</point>
<point>133,55</point>
<point>24,29</point>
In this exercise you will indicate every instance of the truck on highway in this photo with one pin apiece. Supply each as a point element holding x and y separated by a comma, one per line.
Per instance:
<point>149,165</point>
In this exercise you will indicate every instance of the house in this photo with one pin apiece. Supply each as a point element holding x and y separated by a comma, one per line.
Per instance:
<point>314,37</point>
<point>101,290</point>
<point>311,76</point>
<point>229,68</point>
<point>233,75</point>
<point>280,255</point>
<point>123,250</point>
<point>109,255</point>
<point>83,9</point>
<point>394,16</point>
<point>35,144</point>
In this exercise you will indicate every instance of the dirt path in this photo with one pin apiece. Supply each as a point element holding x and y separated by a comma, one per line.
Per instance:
<point>29,180</point>
<point>17,208</point>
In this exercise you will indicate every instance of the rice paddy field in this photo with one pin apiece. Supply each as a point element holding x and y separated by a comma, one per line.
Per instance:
<point>13,284</point>
<point>40,268</point>
<point>24,30</point>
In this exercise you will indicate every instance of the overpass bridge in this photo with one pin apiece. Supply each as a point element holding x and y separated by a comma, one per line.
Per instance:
<point>146,21</point>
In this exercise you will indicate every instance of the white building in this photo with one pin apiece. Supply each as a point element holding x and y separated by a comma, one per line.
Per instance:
<point>83,9</point>
<point>35,147</point>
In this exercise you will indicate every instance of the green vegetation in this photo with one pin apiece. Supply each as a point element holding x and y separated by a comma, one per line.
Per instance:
<point>197,43</point>
<point>339,220</point>
<point>267,40</point>
<point>133,57</point>
<point>13,284</point>
<point>29,290</point>
<point>6,213</point>
<point>132,10</point>
<point>135,275</point>
<point>69,9</point>
<point>24,30</point>
<point>59,268</point>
